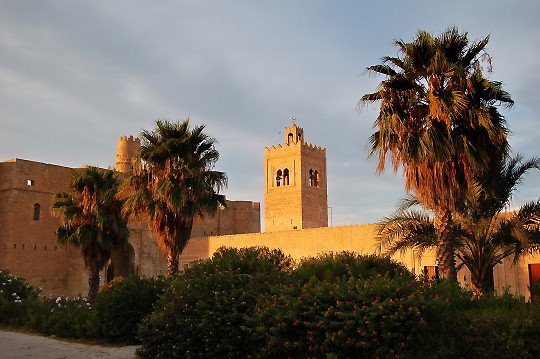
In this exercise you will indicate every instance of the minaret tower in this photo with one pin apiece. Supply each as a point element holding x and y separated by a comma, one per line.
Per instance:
<point>295,187</point>
<point>127,153</point>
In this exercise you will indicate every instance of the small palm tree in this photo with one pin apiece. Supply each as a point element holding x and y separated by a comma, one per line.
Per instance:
<point>92,220</point>
<point>174,183</point>
<point>483,234</point>
<point>438,120</point>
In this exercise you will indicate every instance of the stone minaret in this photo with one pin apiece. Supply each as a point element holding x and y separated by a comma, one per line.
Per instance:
<point>127,153</point>
<point>295,187</point>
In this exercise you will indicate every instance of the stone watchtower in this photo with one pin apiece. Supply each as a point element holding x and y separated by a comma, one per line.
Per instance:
<point>127,151</point>
<point>295,187</point>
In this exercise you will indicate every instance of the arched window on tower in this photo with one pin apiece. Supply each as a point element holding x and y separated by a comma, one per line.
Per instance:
<point>290,138</point>
<point>279,177</point>
<point>299,137</point>
<point>311,177</point>
<point>37,210</point>
<point>316,178</point>
<point>286,177</point>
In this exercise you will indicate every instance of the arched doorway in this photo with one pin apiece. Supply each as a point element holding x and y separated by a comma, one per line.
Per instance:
<point>122,263</point>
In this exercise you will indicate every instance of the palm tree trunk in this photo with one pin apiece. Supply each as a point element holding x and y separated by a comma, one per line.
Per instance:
<point>482,284</point>
<point>445,249</point>
<point>93,284</point>
<point>172,262</point>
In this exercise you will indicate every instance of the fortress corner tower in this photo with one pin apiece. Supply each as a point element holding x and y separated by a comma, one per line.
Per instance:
<point>127,151</point>
<point>295,187</point>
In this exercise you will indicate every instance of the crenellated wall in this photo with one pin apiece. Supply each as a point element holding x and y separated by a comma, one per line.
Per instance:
<point>28,246</point>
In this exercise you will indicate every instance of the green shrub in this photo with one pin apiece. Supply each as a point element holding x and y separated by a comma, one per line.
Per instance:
<point>343,306</point>
<point>122,304</point>
<point>16,296</point>
<point>344,265</point>
<point>204,313</point>
<point>64,317</point>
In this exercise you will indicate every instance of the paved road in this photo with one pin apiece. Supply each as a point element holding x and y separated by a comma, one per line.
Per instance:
<point>19,345</point>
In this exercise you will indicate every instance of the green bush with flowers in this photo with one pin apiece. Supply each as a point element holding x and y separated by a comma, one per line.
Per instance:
<point>205,312</point>
<point>343,305</point>
<point>16,297</point>
<point>67,317</point>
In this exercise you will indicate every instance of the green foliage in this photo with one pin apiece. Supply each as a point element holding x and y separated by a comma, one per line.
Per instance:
<point>344,265</point>
<point>91,219</point>
<point>377,318</point>
<point>340,305</point>
<point>204,313</point>
<point>174,183</point>
<point>64,317</point>
<point>14,288</point>
<point>122,304</point>
<point>16,296</point>
<point>251,303</point>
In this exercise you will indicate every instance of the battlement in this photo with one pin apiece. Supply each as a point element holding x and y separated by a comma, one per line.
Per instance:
<point>127,151</point>
<point>129,139</point>
<point>314,147</point>
<point>310,146</point>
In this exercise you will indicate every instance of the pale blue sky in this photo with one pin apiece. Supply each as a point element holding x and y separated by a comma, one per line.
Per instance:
<point>74,76</point>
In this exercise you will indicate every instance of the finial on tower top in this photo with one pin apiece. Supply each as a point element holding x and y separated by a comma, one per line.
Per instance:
<point>293,119</point>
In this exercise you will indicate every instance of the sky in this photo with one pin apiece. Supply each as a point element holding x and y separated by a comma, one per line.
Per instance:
<point>76,75</point>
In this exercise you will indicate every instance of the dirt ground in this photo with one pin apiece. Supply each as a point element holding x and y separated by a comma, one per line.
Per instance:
<point>20,345</point>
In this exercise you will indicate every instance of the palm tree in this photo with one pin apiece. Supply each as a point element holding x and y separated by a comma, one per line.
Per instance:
<point>483,234</point>
<point>92,220</point>
<point>438,120</point>
<point>174,183</point>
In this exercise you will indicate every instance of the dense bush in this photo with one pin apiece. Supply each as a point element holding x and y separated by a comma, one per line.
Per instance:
<point>343,305</point>
<point>63,316</point>
<point>122,304</point>
<point>204,313</point>
<point>252,303</point>
<point>342,266</point>
<point>499,326</point>
<point>16,297</point>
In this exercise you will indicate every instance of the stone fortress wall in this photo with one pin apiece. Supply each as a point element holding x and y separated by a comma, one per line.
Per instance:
<point>360,239</point>
<point>296,222</point>
<point>28,245</point>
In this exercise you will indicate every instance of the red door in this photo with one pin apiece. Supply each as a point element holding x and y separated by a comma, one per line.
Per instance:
<point>534,281</point>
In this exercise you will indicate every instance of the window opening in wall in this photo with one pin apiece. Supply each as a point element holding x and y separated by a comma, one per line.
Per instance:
<point>431,272</point>
<point>311,178</point>
<point>286,177</point>
<point>35,247</point>
<point>279,177</point>
<point>45,247</point>
<point>29,182</point>
<point>290,138</point>
<point>299,137</point>
<point>37,209</point>
<point>316,178</point>
<point>14,245</point>
<point>23,246</point>
<point>55,248</point>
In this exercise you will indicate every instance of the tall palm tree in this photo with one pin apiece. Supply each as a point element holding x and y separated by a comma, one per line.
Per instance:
<point>174,183</point>
<point>438,120</point>
<point>92,220</point>
<point>483,233</point>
